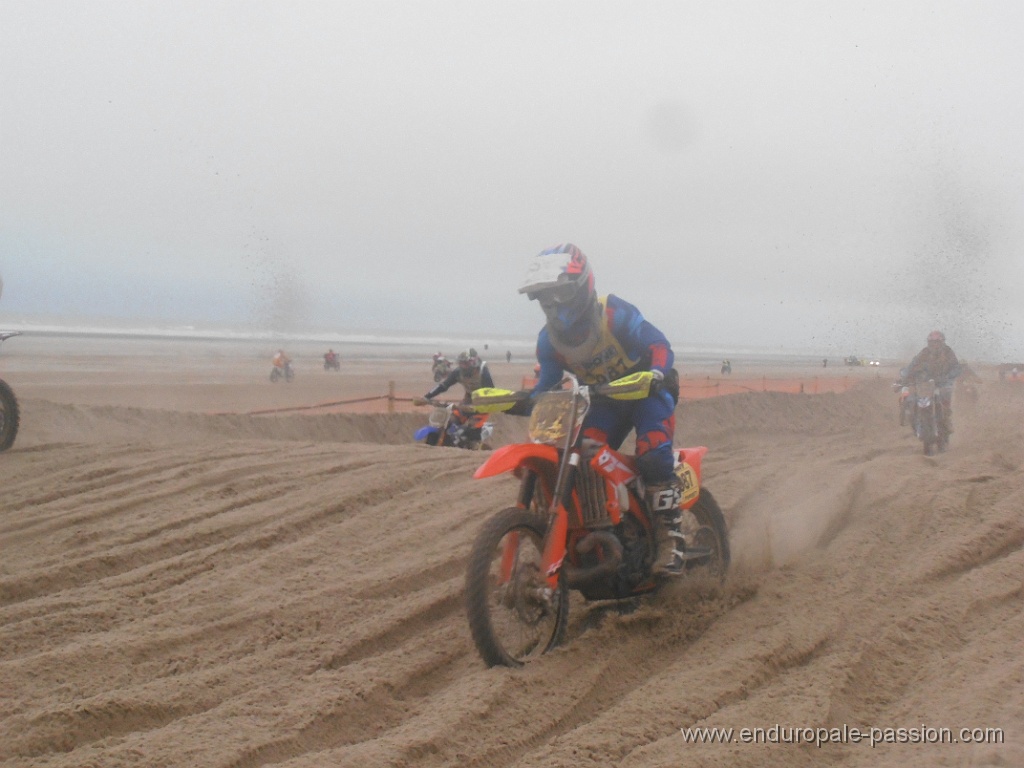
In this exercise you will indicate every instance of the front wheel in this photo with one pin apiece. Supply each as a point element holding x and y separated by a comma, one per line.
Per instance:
<point>927,430</point>
<point>9,416</point>
<point>514,615</point>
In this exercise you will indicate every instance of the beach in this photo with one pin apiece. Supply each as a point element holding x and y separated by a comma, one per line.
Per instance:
<point>203,568</point>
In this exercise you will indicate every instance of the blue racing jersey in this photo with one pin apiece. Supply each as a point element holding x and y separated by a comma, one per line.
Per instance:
<point>623,343</point>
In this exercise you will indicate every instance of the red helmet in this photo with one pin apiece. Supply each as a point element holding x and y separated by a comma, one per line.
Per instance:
<point>937,336</point>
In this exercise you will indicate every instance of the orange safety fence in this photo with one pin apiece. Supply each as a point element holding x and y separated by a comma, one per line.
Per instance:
<point>689,389</point>
<point>696,389</point>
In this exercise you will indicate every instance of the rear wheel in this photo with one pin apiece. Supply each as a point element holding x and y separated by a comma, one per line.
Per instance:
<point>9,416</point>
<point>514,615</point>
<point>706,530</point>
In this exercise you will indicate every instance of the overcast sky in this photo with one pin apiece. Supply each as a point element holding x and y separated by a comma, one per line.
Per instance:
<point>789,174</point>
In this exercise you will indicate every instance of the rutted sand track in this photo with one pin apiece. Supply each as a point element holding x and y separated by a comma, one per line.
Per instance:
<point>180,589</point>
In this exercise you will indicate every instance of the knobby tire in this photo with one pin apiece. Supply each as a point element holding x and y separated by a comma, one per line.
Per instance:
<point>9,416</point>
<point>482,592</point>
<point>709,516</point>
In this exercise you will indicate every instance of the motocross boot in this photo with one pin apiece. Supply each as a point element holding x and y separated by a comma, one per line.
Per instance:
<point>663,500</point>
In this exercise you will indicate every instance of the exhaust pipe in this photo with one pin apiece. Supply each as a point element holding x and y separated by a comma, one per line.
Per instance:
<point>576,577</point>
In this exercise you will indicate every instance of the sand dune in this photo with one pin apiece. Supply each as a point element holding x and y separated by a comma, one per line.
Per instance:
<point>190,589</point>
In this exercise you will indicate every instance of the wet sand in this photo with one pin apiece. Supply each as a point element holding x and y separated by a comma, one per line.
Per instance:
<point>183,584</point>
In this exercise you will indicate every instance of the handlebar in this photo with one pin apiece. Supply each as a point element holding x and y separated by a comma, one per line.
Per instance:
<point>636,386</point>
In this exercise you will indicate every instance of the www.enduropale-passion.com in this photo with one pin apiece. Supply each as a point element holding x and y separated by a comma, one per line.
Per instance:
<point>845,734</point>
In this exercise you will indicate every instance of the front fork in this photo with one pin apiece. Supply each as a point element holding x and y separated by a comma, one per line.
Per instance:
<point>558,524</point>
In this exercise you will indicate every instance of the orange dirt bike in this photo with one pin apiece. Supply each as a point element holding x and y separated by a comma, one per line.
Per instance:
<point>579,523</point>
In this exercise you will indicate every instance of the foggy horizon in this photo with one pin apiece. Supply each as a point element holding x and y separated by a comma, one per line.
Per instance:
<point>803,176</point>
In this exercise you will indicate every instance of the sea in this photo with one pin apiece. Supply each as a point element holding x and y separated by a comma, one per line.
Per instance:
<point>54,339</point>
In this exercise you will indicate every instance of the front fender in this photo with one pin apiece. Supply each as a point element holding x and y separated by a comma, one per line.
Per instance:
<point>509,457</point>
<point>423,432</point>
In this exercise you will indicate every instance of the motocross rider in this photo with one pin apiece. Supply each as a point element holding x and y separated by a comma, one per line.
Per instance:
<point>471,372</point>
<point>281,360</point>
<point>936,361</point>
<point>600,339</point>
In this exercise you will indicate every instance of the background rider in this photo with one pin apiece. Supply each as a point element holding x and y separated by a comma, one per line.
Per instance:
<point>470,371</point>
<point>937,361</point>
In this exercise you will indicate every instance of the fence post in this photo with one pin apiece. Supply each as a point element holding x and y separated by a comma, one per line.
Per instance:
<point>391,397</point>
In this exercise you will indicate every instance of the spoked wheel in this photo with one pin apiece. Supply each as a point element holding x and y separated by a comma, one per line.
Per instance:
<point>9,416</point>
<point>513,614</point>
<point>704,528</point>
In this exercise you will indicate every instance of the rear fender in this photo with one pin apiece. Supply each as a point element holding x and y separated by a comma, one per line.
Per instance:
<point>511,457</point>
<point>688,471</point>
<point>693,457</point>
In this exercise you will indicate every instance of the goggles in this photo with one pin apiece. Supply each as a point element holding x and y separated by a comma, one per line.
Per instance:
<point>562,293</point>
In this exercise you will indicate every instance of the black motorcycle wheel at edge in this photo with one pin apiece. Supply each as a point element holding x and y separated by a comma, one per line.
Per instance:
<point>514,622</point>
<point>9,416</point>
